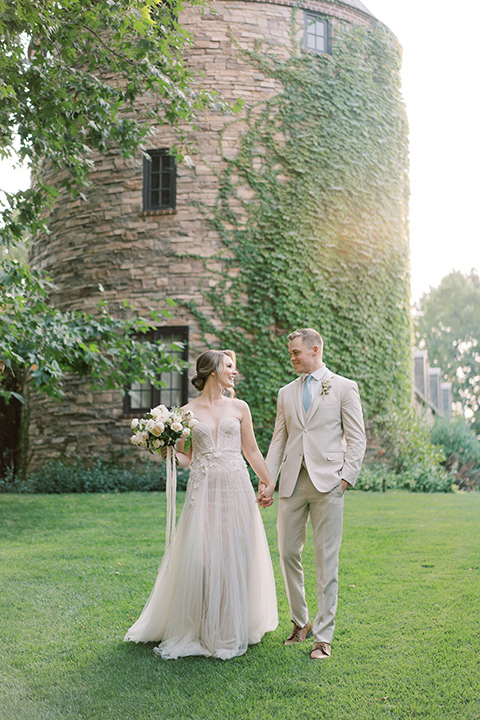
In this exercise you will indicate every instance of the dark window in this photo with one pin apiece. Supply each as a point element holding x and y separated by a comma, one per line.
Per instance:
<point>159,180</point>
<point>317,33</point>
<point>141,397</point>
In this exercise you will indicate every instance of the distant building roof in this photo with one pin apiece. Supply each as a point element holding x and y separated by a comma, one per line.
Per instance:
<point>356,4</point>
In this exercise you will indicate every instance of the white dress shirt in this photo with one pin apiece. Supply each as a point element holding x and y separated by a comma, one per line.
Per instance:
<point>316,379</point>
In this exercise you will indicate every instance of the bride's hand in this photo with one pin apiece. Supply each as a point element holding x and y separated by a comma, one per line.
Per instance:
<point>265,495</point>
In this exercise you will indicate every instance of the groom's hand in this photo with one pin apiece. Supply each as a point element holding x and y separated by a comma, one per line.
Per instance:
<point>344,485</point>
<point>264,498</point>
<point>265,502</point>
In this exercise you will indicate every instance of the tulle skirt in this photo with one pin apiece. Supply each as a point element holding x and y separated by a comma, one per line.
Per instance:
<point>215,590</point>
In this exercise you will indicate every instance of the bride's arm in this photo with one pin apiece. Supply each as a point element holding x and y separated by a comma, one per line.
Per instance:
<point>255,458</point>
<point>184,458</point>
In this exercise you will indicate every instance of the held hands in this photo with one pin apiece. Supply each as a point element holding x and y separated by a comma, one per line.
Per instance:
<point>265,495</point>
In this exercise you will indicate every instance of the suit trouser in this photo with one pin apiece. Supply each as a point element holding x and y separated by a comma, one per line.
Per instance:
<point>326,513</point>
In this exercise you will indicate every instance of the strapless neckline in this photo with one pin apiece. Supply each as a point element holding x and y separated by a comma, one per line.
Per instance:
<point>215,440</point>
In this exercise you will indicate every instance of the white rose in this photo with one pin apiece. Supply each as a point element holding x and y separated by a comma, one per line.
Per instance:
<point>157,429</point>
<point>142,439</point>
<point>177,426</point>
<point>160,413</point>
<point>149,425</point>
<point>134,440</point>
<point>156,443</point>
<point>186,432</point>
<point>134,423</point>
<point>193,422</point>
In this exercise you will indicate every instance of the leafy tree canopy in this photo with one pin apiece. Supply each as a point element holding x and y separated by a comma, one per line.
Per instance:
<point>39,343</point>
<point>71,74</point>
<point>447,325</point>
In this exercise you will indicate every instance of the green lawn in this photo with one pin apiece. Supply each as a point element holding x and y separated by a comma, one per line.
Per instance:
<point>74,569</point>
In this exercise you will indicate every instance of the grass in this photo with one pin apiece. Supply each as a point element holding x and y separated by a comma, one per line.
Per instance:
<point>74,569</point>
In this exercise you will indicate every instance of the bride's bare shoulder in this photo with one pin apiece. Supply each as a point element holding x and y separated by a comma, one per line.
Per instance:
<point>237,402</point>
<point>189,406</point>
<point>239,406</point>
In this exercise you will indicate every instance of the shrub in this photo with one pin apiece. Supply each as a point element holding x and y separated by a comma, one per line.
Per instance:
<point>413,457</point>
<point>76,476</point>
<point>376,477</point>
<point>462,452</point>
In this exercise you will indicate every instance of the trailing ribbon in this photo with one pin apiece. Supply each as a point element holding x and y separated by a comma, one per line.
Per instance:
<point>171,491</point>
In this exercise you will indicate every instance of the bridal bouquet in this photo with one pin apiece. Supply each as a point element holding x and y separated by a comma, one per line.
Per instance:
<point>161,428</point>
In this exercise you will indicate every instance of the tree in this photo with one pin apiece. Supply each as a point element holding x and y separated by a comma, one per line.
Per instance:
<point>71,75</point>
<point>39,345</point>
<point>447,325</point>
<point>43,344</point>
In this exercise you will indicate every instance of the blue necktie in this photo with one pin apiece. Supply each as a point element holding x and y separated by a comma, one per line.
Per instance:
<point>307,393</point>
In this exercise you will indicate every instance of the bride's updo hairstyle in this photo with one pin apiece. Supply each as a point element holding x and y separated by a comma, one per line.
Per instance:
<point>208,362</point>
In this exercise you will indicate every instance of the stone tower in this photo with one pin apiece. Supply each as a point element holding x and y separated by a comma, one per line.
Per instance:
<point>140,235</point>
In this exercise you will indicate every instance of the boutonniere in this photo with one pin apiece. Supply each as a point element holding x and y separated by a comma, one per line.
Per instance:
<point>326,386</point>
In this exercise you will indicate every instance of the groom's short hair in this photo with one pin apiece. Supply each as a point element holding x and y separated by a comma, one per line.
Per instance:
<point>310,337</point>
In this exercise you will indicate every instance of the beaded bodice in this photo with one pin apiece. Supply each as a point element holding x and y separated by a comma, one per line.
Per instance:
<point>229,439</point>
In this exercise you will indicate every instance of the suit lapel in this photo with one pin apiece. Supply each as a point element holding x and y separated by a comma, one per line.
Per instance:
<point>298,400</point>
<point>319,397</point>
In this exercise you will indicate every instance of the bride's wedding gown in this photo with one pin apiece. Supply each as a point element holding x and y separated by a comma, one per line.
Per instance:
<point>215,591</point>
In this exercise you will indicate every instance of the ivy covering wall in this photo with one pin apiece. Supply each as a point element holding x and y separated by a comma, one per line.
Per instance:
<point>312,212</point>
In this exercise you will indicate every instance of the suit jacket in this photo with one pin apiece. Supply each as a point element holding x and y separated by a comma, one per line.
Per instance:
<point>329,439</point>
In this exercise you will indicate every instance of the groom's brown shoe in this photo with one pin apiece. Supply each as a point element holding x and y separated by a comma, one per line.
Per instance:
<point>321,650</point>
<point>299,634</point>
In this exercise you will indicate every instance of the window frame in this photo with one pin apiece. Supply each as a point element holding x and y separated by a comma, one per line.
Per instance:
<point>310,16</point>
<point>148,206</point>
<point>162,333</point>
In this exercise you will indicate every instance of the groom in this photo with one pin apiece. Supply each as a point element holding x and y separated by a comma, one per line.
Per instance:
<point>317,446</point>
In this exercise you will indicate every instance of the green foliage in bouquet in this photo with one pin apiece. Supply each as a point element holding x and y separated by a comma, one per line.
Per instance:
<point>163,427</point>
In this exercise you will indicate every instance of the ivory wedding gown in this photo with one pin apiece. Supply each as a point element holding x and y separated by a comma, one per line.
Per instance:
<point>215,591</point>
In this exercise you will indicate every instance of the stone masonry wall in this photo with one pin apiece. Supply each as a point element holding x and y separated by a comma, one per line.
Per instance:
<point>107,248</point>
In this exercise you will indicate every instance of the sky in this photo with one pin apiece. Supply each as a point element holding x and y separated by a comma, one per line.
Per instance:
<point>440,81</point>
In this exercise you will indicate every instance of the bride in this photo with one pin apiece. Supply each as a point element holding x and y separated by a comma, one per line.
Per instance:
<point>215,591</point>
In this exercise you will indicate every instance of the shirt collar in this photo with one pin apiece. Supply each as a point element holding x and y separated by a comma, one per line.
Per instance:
<point>318,374</point>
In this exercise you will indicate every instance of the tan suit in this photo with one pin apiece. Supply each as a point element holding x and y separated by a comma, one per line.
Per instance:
<point>313,452</point>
